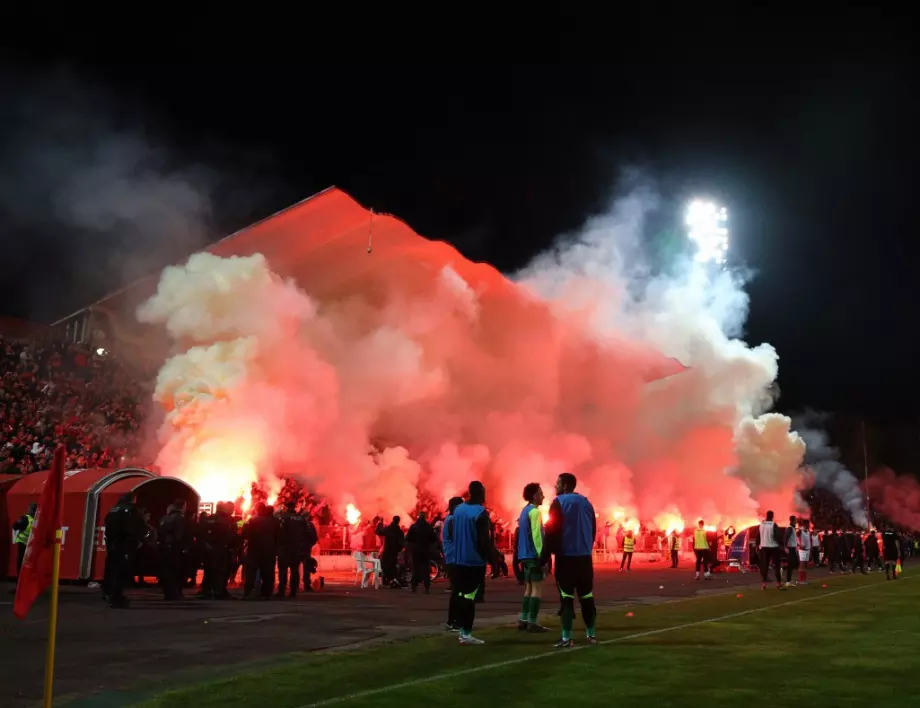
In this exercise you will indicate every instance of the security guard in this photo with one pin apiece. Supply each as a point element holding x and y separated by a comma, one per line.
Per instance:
<point>629,545</point>
<point>23,527</point>
<point>674,545</point>
<point>701,549</point>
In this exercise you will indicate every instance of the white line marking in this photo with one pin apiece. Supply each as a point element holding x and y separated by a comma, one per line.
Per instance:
<point>532,657</point>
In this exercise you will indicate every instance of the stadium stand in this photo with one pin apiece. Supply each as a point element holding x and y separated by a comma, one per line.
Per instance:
<point>51,392</point>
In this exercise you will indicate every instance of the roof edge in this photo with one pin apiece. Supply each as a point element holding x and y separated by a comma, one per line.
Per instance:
<point>133,283</point>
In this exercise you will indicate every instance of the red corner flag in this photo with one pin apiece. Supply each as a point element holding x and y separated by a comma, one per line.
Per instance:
<point>37,565</point>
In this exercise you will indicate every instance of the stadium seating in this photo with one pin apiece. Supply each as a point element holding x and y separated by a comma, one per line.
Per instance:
<point>51,393</point>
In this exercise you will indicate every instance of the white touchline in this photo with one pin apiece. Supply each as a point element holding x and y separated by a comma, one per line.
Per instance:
<point>533,657</point>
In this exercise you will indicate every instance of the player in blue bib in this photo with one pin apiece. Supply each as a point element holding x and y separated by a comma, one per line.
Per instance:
<point>529,553</point>
<point>570,536</point>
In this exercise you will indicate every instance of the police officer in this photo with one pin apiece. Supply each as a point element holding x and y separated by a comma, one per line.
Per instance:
<point>292,542</point>
<point>23,529</point>
<point>217,536</point>
<point>312,538</point>
<point>420,539</point>
<point>124,533</point>
<point>260,534</point>
<point>236,551</point>
<point>172,545</point>
<point>393,542</point>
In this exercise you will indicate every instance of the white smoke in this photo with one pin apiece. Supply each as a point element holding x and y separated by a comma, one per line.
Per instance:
<point>252,394</point>
<point>715,413</point>
<point>827,471</point>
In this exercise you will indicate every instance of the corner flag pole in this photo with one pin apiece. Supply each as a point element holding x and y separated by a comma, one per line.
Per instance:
<point>866,473</point>
<point>52,617</point>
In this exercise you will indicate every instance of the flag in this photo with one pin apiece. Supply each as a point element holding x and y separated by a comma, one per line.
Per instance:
<point>35,576</point>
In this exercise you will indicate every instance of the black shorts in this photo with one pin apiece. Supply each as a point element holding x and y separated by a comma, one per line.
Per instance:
<point>575,575</point>
<point>468,579</point>
<point>892,557</point>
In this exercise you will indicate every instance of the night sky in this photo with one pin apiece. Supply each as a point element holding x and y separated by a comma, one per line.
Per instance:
<point>813,159</point>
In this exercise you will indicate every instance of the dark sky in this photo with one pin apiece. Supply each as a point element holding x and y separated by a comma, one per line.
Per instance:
<point>814,156</point>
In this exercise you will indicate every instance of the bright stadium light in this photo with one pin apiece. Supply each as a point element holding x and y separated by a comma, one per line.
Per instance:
<point>707,226</point>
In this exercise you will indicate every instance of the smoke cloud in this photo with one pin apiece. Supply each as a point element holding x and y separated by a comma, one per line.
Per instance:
<point>897,497</point>
<point>826,470</point>
<point>444,384</point>
<point>85,175</point>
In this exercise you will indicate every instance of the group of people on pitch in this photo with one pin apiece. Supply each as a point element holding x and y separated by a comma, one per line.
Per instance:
<point>568,536</point>
<point>798,546</point>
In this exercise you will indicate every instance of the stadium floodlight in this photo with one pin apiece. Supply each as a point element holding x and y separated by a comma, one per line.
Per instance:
<point>707,226</point>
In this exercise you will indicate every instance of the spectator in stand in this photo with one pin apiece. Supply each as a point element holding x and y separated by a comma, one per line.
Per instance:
<point>56,392</point>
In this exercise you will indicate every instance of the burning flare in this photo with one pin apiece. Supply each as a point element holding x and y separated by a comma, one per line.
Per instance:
<point>352,515</point>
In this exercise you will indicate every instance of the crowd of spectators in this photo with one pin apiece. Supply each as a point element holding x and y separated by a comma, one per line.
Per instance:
<point>52,392</point>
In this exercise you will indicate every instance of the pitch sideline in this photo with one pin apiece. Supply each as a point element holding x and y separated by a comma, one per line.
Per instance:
<point>533,657</point>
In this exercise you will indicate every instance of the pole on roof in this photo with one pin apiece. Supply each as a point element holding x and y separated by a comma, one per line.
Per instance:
<point>370,233</point>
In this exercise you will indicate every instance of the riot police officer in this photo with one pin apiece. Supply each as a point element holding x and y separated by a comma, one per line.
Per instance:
<point>291,548</point>
<point>216,533</point>
<point>124,533</point>
<point>172,545</point>
<point>307,558</point>
<point>260,535</point>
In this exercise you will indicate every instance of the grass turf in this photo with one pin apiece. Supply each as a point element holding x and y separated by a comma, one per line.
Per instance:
<point>855,647</point>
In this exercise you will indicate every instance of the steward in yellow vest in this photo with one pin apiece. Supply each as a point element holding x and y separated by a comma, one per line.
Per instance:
<point>701,550</point>
<point>629,545</point>
<point>674,545</point>
<point>23,529</point>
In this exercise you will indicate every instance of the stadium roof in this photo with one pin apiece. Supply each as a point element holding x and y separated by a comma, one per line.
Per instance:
<point>322,242</point>
<point>334,248</point>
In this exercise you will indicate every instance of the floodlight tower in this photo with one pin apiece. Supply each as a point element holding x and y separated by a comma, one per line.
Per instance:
<point>707,227</point>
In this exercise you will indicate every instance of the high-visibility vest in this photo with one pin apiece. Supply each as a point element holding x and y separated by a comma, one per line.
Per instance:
<point>629,543</point>
<point>23,536</point>
<point>675,543</point>
<point>699,540</point>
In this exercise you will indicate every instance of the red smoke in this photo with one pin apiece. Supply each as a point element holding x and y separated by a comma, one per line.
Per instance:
<point>456,373</point>
<point>897,497</point>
